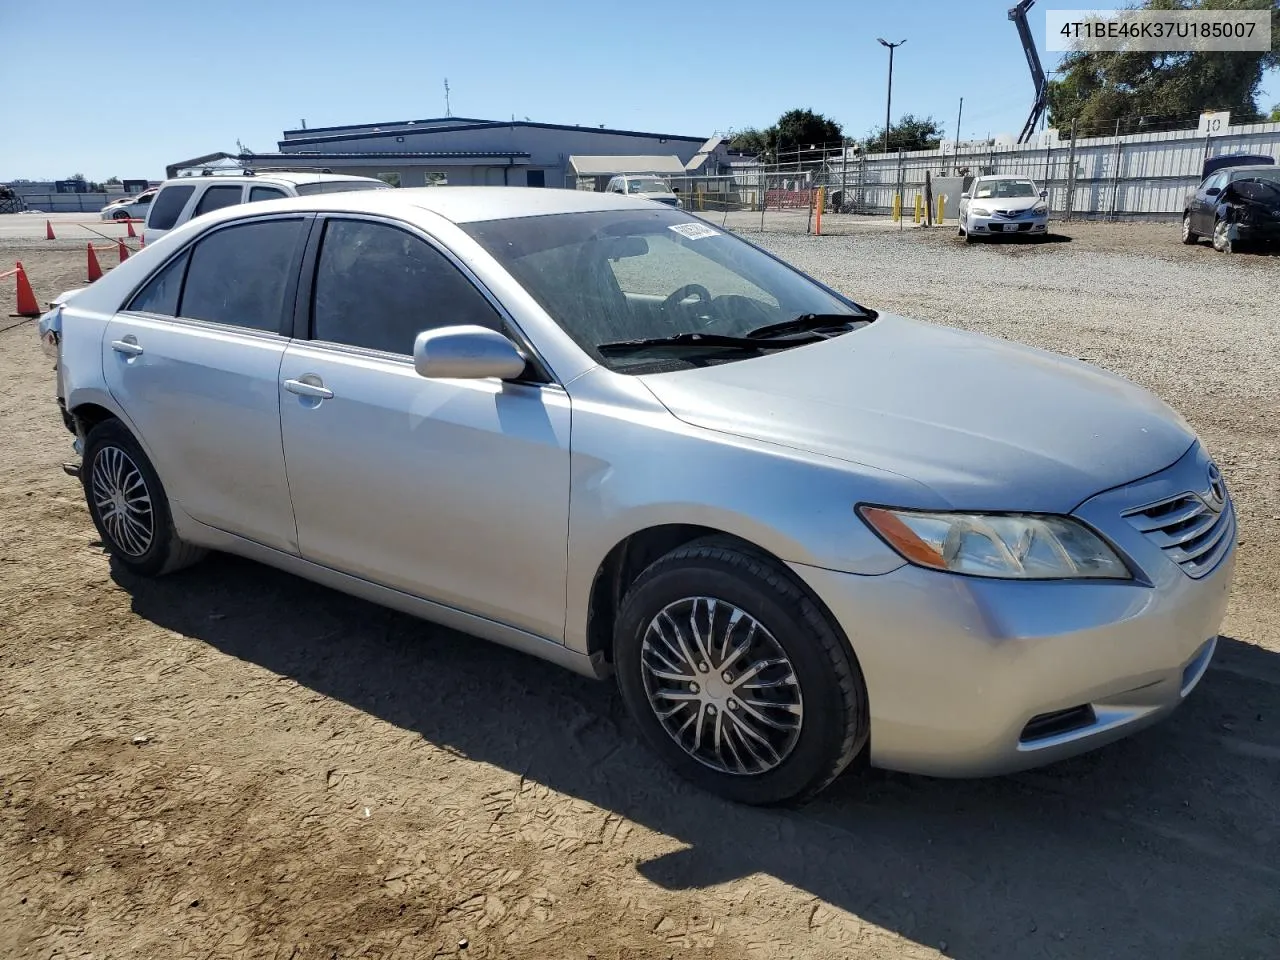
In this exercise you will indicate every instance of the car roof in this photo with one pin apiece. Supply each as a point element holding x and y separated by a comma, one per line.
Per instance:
<point>1249,168</point>
<point>1006,176</point>
<point>457,204</point>
<point>292,177</point>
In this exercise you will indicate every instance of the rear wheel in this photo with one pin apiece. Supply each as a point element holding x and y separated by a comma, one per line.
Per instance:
<point>736,678</point>
<point>1188,236</point>
<point>128,504</point>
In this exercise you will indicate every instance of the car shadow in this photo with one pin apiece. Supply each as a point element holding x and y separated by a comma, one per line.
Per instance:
<point>1163,845</point>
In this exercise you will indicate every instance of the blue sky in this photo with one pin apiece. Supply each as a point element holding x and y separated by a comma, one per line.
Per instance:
<point>86,91</point>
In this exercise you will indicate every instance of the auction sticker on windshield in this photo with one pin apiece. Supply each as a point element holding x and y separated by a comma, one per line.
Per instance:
<point>694,231</point>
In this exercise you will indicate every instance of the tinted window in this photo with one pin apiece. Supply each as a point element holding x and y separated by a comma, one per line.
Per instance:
<point>168,204</point>
<point>379,287</point>
<point>265,193</point>
<point>238,275</point>
<point>160,295</point>
<point>215,198</point>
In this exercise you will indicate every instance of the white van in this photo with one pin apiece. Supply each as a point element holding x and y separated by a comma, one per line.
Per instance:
<point>182,198</point>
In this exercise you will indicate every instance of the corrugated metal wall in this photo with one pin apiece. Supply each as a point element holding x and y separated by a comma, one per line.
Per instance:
<point>1138,176</point>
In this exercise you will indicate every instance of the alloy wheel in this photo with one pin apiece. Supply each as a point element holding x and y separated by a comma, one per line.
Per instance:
<point>122,500</point>
<point>721,685</point>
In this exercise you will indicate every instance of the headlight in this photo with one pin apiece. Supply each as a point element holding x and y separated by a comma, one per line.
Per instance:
<point>980,211</point>
<point>1040,208</point>
<point>1010,545</point>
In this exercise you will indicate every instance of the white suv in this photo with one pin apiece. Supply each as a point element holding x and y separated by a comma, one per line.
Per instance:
<point>182,198</point>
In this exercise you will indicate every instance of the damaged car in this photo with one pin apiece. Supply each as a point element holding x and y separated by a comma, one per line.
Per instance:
<point>1235,206</point>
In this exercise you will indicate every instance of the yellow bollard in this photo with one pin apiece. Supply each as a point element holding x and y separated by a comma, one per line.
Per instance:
<point>919,210</point>
<point>897,206</point>
<point>942,206</point>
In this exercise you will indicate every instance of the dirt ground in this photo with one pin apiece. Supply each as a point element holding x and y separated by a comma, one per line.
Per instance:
<point>232,762</point>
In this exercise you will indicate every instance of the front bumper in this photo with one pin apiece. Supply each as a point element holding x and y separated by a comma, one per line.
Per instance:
<point>1002,226</point>
<point>968,676</point>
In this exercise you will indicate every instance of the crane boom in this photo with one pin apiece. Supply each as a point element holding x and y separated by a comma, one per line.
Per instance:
<point>1018,15</point>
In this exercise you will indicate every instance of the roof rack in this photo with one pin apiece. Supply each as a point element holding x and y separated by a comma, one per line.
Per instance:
<point>251,171</point>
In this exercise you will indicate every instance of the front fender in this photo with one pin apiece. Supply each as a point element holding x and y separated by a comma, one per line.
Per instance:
<point>635,466</point>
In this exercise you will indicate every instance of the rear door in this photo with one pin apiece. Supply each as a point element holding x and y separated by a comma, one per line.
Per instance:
<point>452,490</point>
<point>194,362</point>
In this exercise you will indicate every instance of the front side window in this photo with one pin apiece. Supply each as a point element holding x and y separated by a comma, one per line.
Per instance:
<point>378,287</point>
<point>215,198</point>
<point>239,274</point>
<point>623,275</point>
<point>168,206</point>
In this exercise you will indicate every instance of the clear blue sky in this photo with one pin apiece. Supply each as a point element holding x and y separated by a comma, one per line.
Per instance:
<point>87,90</point>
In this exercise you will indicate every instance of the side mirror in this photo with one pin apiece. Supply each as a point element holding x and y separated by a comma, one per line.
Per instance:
<point>1212,192</point>
<point>467,352</point>
<point>1044,194</point>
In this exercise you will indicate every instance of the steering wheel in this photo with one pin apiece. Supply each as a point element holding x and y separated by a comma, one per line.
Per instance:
<point>679,298</point>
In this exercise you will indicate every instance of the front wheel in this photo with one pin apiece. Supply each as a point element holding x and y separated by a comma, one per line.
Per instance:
<point>120,215</point>
<point>128,504</point>
<point>1222,241</point>
<point>1189,237</point>
<point>735,677</point>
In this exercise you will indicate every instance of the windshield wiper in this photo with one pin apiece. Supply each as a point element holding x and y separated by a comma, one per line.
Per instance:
<point>703,340</point>
<point>808,323</point>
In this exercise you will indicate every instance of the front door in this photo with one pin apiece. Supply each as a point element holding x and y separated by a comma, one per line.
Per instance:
<point>452,490</point>
<point>194,363</point>
<point>1204,205</point>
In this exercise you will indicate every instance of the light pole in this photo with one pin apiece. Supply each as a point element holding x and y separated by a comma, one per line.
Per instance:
<point>889,99</point>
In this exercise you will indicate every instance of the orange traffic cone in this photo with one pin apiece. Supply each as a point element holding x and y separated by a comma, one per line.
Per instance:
<point>124,251</point>
<point>129,224</point>
<point>27,306</point>
<point>48,231</point>
<point>95,270</point>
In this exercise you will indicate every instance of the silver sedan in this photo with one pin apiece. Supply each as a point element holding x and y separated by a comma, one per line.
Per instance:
<point>614,436</point>
<point>1003,206</point>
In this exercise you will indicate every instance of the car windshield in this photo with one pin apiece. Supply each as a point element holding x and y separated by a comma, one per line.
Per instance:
<point>647,186</point>
<point>1003,189</point>
<point>624,275</point>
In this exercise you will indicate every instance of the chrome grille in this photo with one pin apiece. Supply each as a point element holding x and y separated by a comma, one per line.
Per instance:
<point>1188,529</point>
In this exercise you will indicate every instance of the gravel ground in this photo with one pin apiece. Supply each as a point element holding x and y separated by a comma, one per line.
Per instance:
<point>231,762</point>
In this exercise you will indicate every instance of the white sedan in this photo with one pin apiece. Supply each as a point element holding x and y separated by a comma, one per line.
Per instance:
<point>129,208</point>
<point>1003,205</point>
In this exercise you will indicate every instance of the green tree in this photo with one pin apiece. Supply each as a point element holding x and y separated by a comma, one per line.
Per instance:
<point>751,140</point>
<point>798,135</point>
<point>1140,88</point>
<point>112,180</point>
<point>909,133</point>
<point>1275,114</point>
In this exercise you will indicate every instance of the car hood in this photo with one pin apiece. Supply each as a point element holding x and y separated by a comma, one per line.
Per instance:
<point>1008,203</point>
<point>986,424</point>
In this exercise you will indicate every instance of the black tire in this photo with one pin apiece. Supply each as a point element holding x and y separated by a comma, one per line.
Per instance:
<point>835,724</point>
<point>120,215</point>
<point>1189,237</point>
<point>164,552</point>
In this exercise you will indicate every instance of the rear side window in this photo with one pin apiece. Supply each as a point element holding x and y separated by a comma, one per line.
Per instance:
<point>160,295</point>
<point>239,275</point>
<point>168,205</point>
<point>378,287</point>
<point>215,198</point>
<point>265,193</point>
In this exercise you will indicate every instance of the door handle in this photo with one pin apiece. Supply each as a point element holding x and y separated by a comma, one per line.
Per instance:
<point>304,389</point>
<point>127,347</point>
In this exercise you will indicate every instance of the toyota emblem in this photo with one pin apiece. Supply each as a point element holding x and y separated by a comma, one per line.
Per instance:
<point>1217,489</point>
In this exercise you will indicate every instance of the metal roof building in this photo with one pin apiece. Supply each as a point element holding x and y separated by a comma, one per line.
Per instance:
<point>465,151</point>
